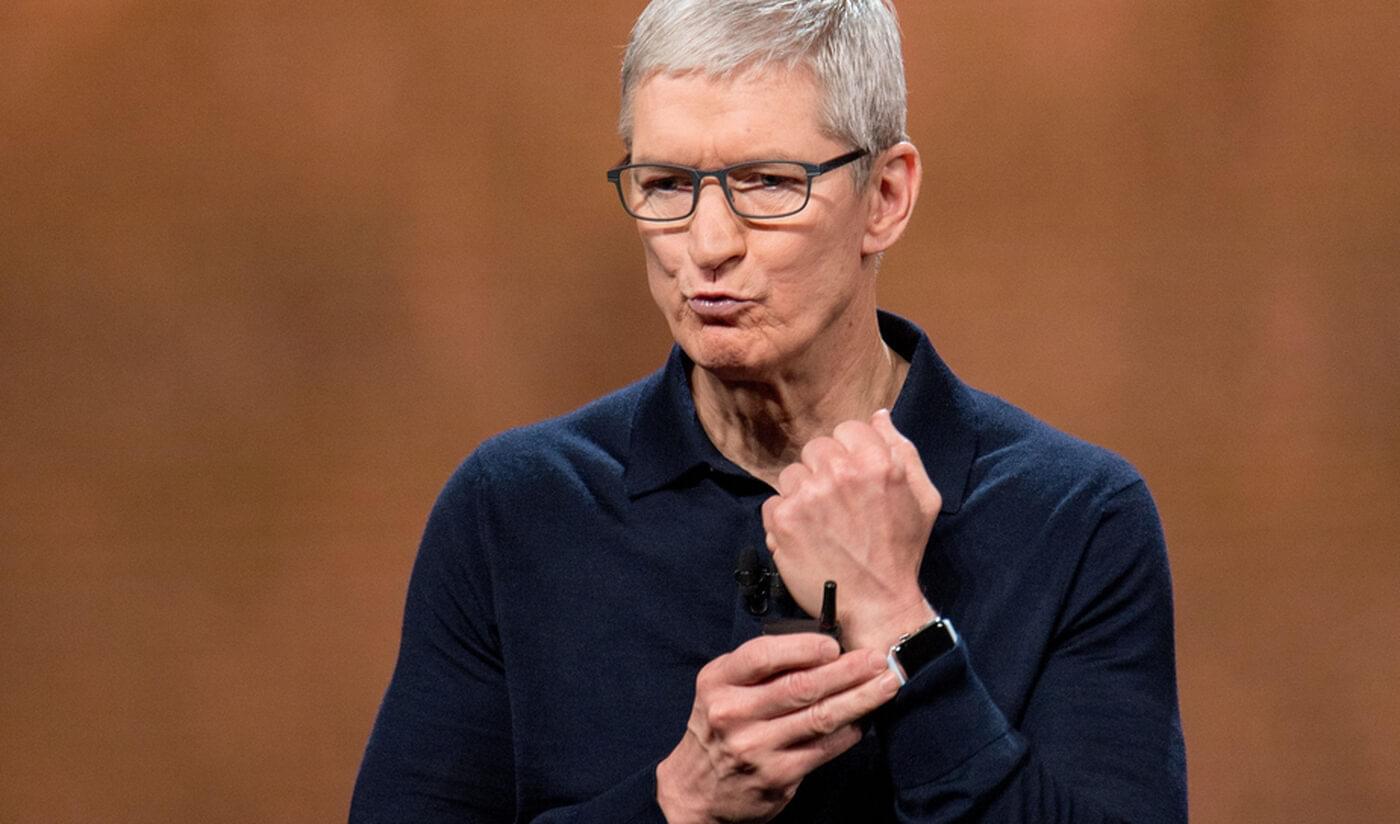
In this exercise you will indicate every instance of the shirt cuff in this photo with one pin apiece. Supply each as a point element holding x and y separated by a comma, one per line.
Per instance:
<point>633,801</point>
<point>939,721</point>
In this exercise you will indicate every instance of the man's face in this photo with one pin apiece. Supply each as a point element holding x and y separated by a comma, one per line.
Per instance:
<point>752,299</point>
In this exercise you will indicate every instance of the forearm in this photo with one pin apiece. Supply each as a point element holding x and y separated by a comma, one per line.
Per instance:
<point>632,801</point>
<point>954,756</point>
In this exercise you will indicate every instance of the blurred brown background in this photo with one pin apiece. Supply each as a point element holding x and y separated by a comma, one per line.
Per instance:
<point>269,271</point>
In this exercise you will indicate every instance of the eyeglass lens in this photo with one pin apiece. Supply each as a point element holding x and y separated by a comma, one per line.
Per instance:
<point>769,189</point>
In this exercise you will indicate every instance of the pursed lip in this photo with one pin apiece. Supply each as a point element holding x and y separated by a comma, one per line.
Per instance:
<point>716,306</point>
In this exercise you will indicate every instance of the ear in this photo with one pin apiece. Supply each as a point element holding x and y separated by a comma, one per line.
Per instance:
<point>893,188</point>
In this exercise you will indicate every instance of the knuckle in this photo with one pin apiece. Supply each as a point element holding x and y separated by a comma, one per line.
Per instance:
<point>745,754</point>
<point>879,456</point>
<point>771,541</point>
<point>820,719</point>
<point>721,715</point>
<point>779,514</point>
<point>818,487</point>
<point>909,454</point>
<point>872,660</point>
<point>841,740</point>
<point>708,677</point>
<point>802,688</point>
<point>845,471</point>
<point>781,780</point>
<point>815,447</point>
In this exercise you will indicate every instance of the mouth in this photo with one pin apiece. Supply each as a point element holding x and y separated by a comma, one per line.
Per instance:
<point>716,307</point>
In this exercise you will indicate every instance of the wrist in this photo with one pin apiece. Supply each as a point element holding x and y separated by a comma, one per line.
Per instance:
<point>882,630</point>
<point>675,807</point>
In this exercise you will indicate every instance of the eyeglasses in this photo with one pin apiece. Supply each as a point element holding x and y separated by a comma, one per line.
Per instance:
<point>757,190</point>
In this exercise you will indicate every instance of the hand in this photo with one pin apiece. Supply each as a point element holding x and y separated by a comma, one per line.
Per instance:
<point>857,509</point>
<point>765,715</point>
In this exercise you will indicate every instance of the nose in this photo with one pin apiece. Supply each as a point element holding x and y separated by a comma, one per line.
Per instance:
<point>716,233</point>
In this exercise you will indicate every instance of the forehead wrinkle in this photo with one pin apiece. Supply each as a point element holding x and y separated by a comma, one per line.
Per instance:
<point>706,122</point>
<point>749,156</point>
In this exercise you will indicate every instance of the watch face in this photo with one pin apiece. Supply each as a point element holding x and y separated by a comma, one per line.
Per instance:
<point>926,645</point>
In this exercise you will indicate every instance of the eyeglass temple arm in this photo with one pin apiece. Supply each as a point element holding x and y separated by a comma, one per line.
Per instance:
<point>837,162</point>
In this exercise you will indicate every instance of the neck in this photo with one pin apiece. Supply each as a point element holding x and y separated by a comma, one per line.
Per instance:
<point>762,424</point>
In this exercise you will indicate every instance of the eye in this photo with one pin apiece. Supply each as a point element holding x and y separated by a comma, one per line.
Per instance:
<point>768,177</point>
<point>662,181</point>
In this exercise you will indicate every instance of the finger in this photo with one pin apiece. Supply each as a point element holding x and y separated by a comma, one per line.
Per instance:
<point>835,711</point>
<point>860,437</point>
<point>822,452</point>
<point>791,764</point>
<point>791,478</point>
<point>769,512</point>
<point>758,660</point>
<point>883,424</point>
<point>903,449</point>
<point>799,688</point>
<point>770,540</point>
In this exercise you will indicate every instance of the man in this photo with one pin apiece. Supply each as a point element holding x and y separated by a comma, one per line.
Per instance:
<point>574,646</point>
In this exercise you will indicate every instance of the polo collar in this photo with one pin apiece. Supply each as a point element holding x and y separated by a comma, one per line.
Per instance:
<point>934,409</point>
<point>668,444</point>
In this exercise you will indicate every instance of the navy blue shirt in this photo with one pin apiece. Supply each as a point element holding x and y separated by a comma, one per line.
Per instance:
<point>576,574</point>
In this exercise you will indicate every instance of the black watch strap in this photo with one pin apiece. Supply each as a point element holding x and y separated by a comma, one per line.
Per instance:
<point>918,649</point>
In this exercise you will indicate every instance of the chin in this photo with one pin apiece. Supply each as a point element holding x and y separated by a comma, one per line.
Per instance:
<point>727,352</point>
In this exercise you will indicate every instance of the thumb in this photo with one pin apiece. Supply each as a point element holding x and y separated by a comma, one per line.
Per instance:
<point>884,424</point>
<point>903,450</point>
<point>907,455</point>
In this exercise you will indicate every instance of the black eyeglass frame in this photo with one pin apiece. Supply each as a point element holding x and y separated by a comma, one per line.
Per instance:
<point>697,176</point>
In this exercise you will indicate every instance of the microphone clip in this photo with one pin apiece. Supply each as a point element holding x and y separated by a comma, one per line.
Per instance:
<point>760,586</point>
<point>755,581</point>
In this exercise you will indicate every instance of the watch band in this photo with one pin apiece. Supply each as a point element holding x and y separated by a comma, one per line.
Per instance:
<point>916,650</point>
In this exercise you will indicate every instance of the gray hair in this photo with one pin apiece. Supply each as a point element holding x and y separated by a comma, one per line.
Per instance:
<point>852,46</point>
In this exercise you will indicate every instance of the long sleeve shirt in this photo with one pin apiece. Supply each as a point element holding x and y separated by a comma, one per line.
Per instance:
<point>576,574</point>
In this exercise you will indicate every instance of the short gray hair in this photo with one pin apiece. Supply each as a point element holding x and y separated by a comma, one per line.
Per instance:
<point>852,46</point>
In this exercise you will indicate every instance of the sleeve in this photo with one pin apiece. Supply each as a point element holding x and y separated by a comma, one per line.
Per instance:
<point>441,747</point>
<point>1101,737</point>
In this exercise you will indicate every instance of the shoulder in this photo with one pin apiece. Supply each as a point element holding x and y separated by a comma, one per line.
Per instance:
<point>1051,513</point>
<point>1024,458</point>
<point>589,441</point>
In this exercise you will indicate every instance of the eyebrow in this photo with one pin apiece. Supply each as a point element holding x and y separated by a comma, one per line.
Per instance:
<point>754,157</point>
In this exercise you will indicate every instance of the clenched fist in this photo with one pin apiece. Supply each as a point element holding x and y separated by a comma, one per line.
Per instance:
<point>857,509</point>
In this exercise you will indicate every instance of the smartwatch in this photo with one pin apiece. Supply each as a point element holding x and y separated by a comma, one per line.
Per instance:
<point>921,647</point>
